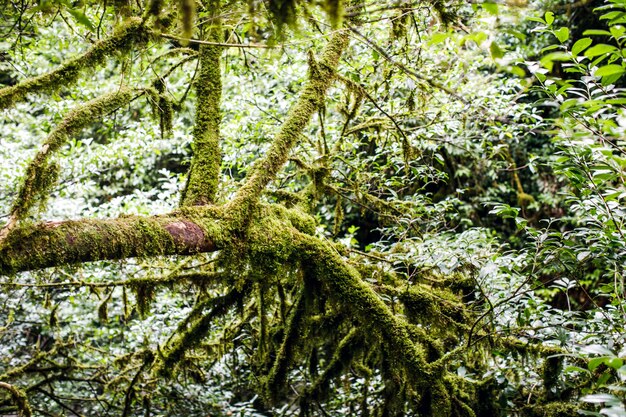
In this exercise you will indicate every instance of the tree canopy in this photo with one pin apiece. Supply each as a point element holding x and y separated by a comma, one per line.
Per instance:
<point>287,207</point>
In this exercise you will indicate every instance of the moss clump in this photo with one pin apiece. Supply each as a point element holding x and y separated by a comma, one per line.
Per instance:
<point>555,409</point>
<point>132,33</point>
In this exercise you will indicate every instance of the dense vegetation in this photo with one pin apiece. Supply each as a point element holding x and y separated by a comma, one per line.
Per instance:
<point>285,208</point>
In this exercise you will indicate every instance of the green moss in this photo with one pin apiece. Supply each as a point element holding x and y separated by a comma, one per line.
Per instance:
<point>206,162</point>
<point>555,409</point>
<point>132,33</point>
<point>552,368</point>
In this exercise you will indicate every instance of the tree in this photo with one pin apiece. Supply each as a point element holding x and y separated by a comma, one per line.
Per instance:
<point>344,251</point>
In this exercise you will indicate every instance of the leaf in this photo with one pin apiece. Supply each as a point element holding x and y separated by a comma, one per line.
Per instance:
<point>597,349</point>
<point>598,32</point>
<point>562,34</point>
<point>82,18</point>
<point>609,70</point>
<point>599,49</point>
<point>549,18</point>
<point>581,45</point>
<point>495,50</point>
<point>615,363</point>
<point>547,60</point>
<point>491,8</point>
<point>573,368</point>
<point>600,398</point>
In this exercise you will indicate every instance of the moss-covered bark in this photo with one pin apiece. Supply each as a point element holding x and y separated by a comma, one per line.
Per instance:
<point>321,76</point>
<point>207,159</point>
<point>130,34</point>
<point>49,244</point>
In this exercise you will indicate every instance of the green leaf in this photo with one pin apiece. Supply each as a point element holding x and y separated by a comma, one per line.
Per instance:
<point>491,8</point>
<point>581,45</point>
<point>549,18</point>
<point>562,34</point>
<point>598,32</point>
<point>611,15</point>
<point>609,70</point>
<point>575,369</point>
<point>82,18</point>
<point>495,50</point>
<point>547,60</point>
<point>595,362</point>
<point>599,49</point>
<point>615,363</point>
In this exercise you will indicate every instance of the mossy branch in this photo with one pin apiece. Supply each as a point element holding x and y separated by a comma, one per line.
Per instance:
<point>285,355</point>
<point>132,33</point>
<point>41,174</point>
<point>20,399</point>
<point>49,244</point>
<point>346,285</point>
<point>207,159</point>
<point>265,169</point>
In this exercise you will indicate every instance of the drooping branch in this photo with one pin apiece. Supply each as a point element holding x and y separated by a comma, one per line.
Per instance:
<point>41,174</point>
<point>321,76</point>
<point>131,34</point>
<point>189,334</point>
<point>207,159</point>
<point>346,285</point>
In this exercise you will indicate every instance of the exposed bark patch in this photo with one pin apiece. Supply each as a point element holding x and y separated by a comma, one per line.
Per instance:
<point>189,235</point>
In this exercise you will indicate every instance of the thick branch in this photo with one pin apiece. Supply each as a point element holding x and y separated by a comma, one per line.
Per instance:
<point>265,169</point>
<point>207,159</point>
<point>132,33</point>
<point>70,242</point>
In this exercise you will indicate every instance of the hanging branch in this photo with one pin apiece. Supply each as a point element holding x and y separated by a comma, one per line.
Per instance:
<point>131,34</point>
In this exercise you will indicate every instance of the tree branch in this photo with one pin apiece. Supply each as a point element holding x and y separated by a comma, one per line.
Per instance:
<point>321,76</point>
<point>132,33</point>
<point>70,242</point>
